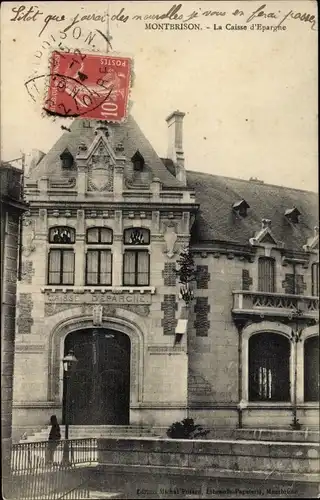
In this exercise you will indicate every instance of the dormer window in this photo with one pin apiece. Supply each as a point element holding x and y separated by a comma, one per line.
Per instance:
<point>138,162</point>
<point>66,159</point>
<point>241,208</point>
<point>293,215</point>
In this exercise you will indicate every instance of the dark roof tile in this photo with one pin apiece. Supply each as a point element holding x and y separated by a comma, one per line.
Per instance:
<point>128,133</point>
<point>217,221</point>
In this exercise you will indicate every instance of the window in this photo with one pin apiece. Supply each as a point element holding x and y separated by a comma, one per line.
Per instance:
<point>136,268</point>
<point>98,235</point>
<point>315,278</point>
<point>61,235</point>
<point>138,161</point>
<point>66,159</point>
<point>99,267</point>
<point>311,369</point>
<point>269,356</point>
<point>99,260</point>
<point>61,267</point>
<point>136,236</point>
<point>61,260</point>
<point>266,275</point>
<point>136,263</point>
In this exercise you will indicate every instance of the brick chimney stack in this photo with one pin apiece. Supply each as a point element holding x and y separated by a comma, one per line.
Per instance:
<point>175,144</point>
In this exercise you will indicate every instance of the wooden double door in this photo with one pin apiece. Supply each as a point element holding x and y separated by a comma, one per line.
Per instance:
<point>98,391</point>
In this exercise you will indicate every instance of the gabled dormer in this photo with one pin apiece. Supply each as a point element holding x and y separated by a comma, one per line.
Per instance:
<point>100,162</point>
<point>240,208</point>
<point>292,215</point>
<point>138,162</point>
<point>67,160</point>
<point>312,244</point>
<point>265,238</point>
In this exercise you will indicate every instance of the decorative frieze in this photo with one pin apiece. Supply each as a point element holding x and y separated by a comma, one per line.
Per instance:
<point>171,215</point>
<point>87,309</point>
<point>163,349</point>
<point>29,348</point>
<point>202,324</point>
<point>84,296</point>
<point>202,277</point>
<point>137,214</point>
<point>99,214</point>
<point>169,307</point>
<point>25,320</point>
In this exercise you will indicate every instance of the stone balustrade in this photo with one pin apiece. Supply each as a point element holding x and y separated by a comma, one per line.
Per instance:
<point>274,304</point>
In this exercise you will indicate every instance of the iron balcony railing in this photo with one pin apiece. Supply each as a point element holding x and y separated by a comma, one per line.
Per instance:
<point>274,304</point>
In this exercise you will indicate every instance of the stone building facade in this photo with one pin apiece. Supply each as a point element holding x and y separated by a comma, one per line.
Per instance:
<point>12,207</point>
<point>108,220</point>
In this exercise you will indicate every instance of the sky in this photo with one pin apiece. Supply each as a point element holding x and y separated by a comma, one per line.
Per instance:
<point>250,96</point>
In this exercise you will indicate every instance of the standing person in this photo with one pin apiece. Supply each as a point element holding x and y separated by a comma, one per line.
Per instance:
<point>53,440</point>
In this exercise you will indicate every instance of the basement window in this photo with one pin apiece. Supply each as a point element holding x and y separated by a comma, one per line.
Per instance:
<point>66,159</point>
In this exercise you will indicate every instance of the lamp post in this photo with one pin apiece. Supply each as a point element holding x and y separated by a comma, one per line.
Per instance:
<point>69,364</point>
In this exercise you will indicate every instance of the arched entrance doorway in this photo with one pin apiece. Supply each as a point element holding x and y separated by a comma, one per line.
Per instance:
<point>99,389</point>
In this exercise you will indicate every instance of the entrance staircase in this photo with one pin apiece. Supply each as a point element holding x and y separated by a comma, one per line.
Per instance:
<point>98,431</point>
<point>133,431</point>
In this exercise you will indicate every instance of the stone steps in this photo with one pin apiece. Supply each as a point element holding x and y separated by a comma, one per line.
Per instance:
<point>93,431</point>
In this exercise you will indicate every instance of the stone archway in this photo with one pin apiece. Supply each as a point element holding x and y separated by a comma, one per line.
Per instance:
<point>254,329</point>
<point>124,322</point>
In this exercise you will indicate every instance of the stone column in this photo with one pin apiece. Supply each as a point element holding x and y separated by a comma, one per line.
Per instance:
<point>80,257</point>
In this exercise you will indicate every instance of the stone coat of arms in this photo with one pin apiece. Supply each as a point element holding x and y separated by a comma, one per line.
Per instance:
<point>100,171</point>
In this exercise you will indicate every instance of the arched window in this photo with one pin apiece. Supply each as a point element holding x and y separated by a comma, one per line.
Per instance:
<point>61,258</point>
<point>136,262</point>
<point>311,369</point>
<point>269,379</point>
<point>62,235</point>
<point>266,275</point>
<point>99,260</point>
<point>315,278</point>
<point>98,235</point>
<point>136,236</point>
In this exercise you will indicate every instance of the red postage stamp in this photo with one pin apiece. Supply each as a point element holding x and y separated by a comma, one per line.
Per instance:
<point>88,86</point>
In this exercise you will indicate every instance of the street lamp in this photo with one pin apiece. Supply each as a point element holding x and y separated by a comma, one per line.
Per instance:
<point>69,363</point>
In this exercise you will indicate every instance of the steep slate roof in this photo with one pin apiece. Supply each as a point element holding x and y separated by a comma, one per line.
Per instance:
<point>217,221</point>
<point>128,133</point>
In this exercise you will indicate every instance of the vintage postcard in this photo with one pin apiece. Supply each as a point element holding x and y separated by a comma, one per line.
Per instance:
<point>159,249</point>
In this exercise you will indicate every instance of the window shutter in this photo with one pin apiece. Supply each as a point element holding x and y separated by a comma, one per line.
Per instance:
<point>266,275</point>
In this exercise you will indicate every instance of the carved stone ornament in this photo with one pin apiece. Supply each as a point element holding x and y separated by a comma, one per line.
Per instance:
<point>97,315</point>
<point>28,239</point>
<point>170,237</point>
<point>100,175</point>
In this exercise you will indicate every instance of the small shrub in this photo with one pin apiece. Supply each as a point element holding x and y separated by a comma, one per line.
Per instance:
<point>186,429</point>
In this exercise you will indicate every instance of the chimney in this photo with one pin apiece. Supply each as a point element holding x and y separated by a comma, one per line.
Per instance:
<point>175,144</point>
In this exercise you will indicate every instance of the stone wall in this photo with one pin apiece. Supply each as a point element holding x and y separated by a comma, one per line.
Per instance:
<point>9,256</point>
<point>205,455</point>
